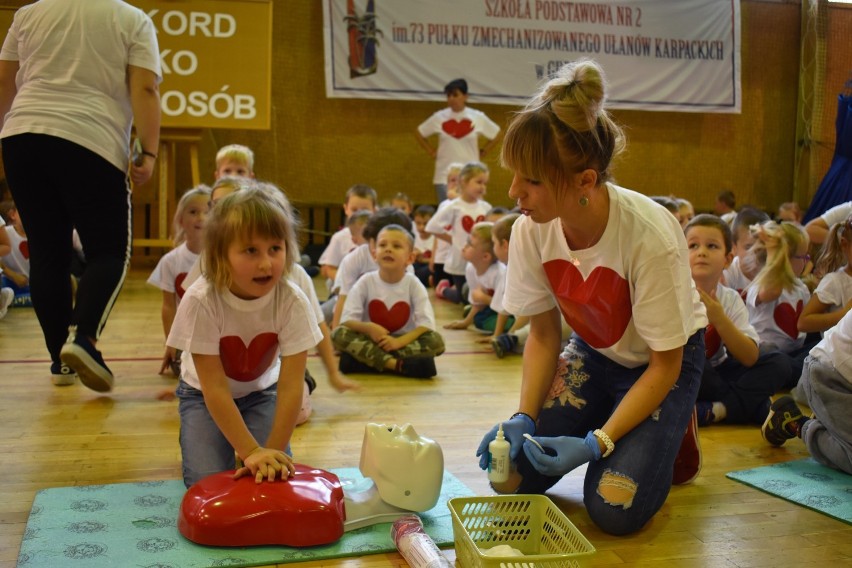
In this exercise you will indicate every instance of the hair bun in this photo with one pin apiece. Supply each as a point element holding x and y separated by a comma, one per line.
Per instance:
<point>576,94</point>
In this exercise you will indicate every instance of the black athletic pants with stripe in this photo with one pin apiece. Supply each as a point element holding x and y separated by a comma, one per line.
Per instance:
<point>57,186</point>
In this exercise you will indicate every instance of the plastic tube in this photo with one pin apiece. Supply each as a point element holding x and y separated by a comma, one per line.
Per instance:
<point>417,547</point>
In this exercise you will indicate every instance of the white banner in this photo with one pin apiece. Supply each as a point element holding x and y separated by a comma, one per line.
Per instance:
<point>664,55</point>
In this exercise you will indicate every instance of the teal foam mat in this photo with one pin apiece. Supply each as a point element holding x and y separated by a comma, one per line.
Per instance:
<point>135,524</point>
<point>806,483</point>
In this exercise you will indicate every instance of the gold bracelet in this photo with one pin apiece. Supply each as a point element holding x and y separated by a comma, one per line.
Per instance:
<point>603,437</point>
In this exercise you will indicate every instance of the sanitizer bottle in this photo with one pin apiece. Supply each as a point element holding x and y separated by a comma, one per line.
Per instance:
<point>498,464</point>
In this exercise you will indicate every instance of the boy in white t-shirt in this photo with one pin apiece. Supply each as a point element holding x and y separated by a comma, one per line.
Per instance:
<point>359,197</point>
<point>737,381</point>
<point>387,322</point>
<point>458,128</point>
<point>424,243</point>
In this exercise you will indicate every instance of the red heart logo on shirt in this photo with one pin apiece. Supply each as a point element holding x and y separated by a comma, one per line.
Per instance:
<point>786,318</point>
<point>457,128</point>
<point>179,289</point>
<point>468,222</point>
<point>243,363</point>
<point>390,319</point>
<point>712,341</point>
<point>24,247</point>
<point>427,254</point>
<point>597,308</point>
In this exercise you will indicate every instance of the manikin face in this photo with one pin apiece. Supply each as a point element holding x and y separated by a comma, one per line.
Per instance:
<point>407,468</point>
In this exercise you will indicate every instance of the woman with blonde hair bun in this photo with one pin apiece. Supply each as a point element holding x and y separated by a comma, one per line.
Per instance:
<point>614,264</point>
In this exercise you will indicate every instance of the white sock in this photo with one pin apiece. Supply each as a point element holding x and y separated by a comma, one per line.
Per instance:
<point>719,412</point>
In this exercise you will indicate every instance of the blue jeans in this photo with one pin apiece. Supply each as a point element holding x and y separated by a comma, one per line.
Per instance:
<point>203,447</point>
<point>583,398</point>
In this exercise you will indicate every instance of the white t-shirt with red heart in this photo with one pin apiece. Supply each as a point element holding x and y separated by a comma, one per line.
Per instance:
<point>456,220</point>
<point>18,258</point>
<point>735,309</point>
<point>631,292</point>
<point>399,307</point>
<point>458,137</point>
<point>488,280</point>
<point>170,273</point>
<point>777,322</point>
<point>248,335</point>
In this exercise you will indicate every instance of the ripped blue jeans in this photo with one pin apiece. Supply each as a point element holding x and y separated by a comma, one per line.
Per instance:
<point>586,391</point>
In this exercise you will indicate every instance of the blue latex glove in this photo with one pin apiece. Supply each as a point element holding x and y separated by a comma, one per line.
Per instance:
<point>571,453</point>
<point>513,430</point>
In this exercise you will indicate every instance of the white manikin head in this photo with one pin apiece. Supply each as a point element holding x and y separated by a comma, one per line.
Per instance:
<point>406,468</point>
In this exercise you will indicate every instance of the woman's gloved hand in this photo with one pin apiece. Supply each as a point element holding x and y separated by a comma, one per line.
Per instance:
<point>513,429</point>
<point>571,452</point>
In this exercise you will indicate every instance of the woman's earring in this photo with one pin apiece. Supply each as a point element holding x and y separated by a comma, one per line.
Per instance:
<point>584,201</point>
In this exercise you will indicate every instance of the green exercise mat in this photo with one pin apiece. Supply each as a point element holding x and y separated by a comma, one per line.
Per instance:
<point>135,524</point>
<point>806,483</point>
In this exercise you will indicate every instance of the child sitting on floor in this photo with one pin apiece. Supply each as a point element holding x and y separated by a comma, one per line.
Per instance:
<point>387,322</point>
<point>512,341</point>
<point>483,274</point>
<point>826,384</point>
<point>737,381</point>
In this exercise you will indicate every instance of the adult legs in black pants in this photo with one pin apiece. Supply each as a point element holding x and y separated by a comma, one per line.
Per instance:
<point>57,186</point>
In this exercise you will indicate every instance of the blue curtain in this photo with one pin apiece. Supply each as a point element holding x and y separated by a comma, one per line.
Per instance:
<point>836,186</point>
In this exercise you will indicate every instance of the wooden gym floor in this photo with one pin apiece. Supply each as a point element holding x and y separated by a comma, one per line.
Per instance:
<point>54,437</point>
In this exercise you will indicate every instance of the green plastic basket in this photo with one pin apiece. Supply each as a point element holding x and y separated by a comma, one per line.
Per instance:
<point>529,523</point>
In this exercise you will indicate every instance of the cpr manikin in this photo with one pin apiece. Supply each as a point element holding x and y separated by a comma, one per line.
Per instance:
<point>403,472</point>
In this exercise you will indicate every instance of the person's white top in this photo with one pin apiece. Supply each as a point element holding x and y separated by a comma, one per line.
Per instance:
<point>442,251</point>
<point>835,349</point>
<point>249,336</point>
<point>171,272</point>
<point>18,258</point>
<point>837,214</point>
<point>500,291</point>
<point>72,81</point>
<point>458,137</point>
<point>835,289</point>
<point>457,219</point>
<point>488,280</point>
<point>399,307</point>
<point>424,245</point>
<point>632,291</point>
<point>338,246</point>
<point>735,309</point>
<point>777,322</point>
<point>735,277</point>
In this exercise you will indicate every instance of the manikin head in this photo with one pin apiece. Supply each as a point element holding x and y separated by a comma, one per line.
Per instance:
<point>406,468</point>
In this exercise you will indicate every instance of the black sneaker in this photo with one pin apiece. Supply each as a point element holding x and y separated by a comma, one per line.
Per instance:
<point>79,354</point>
<point>349,364</point>
<point>504,344</point>
<point>62,375</point>
<point>784,421</point>
<point>419,367</point>
<point>312,383</point>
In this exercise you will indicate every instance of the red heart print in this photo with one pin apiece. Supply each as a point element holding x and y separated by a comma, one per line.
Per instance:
<point>786,318</point>
<point>24,247</point>
<point>179,289</point>
<point>246,364</point>
<point>468,222</point>
<point>597,308</point>
<point>449,227</point>
<point>712,341</point>
<point>390,319</point>
<point>457,128</point>
<point>427,254</point>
